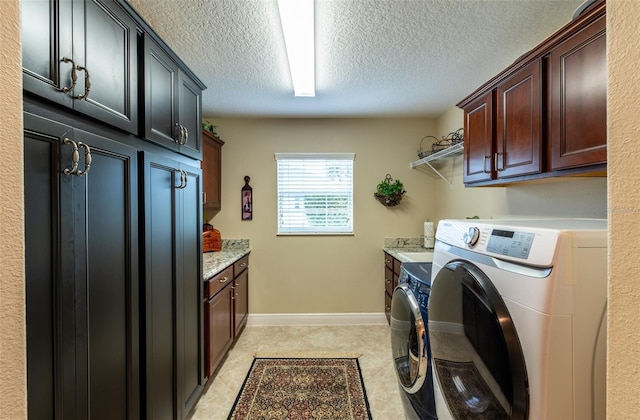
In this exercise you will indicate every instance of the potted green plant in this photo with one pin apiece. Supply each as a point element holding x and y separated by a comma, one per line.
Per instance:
<point>389,192</point>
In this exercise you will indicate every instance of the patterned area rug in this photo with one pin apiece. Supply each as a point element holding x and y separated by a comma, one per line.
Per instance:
<point>302,388</point>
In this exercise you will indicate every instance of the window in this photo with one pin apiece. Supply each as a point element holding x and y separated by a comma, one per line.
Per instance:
<point>315,193</point>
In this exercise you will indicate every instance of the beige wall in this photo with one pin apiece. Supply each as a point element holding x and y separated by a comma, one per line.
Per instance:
<point>12,310</point>
<point>332,274</point>
<point>623,151</point>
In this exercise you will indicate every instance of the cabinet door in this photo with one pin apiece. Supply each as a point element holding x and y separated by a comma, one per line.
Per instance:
<point>478,140</point>
<point>49,270</point>
<point>160,283</point>
<point>160,81</point>
<point>190,335</point>
<point>81,275</point>
<point>107,282</point>
<point>189,116</point>
<point>519,123</point>
<point>578,72</point>
<point>220,325</point>
<point>211,171</point>
<point>241,301</point>
<point>105,42</point>
<point>172,287</point>
<point>46,38</point>
<point>96,35</point>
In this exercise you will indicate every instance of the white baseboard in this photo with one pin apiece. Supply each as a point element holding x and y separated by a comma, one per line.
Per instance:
<point>277,320</point>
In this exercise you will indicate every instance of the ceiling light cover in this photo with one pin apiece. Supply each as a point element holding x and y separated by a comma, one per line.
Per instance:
<point>296,17</point>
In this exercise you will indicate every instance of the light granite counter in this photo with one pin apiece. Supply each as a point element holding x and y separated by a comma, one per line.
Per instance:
<point>232,250</point>
<point>393,246</point>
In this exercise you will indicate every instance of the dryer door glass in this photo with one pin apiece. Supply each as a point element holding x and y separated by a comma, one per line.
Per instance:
<point>408,339</point>
<point>479,364</point>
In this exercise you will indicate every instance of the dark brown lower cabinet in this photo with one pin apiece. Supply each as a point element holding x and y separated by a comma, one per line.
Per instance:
<point>391,274</point>
<point>219,328</point>
<point>240,302</point>
<point>226,309</point>
<point>173,374</point>
<point>81,236</point>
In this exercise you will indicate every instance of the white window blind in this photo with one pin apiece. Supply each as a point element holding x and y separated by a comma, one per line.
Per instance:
<point>315,193</point>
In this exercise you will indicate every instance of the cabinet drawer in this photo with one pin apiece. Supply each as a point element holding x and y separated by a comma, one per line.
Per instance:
<point>388,281</point>
<point>240,265</point>
<point>396,266</point>
<point>388,261</point>
<point>217,282</point>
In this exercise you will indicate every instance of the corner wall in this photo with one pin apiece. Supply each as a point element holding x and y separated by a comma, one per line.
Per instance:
<point>12,305</point>
<point>623,102</point>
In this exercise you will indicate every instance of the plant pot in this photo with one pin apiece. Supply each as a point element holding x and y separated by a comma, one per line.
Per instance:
<point>389,200</point>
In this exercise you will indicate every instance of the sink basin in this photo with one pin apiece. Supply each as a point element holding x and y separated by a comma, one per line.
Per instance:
<point>422,256</point>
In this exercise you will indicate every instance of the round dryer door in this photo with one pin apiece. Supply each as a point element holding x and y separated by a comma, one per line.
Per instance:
<point>478,362</point>
<point>408,334</point>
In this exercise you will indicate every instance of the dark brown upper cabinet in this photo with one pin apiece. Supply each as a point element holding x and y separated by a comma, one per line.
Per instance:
<point>83,55</point>
<point>578,97</point>
<point>211,171</point>
<point>545,115</point>
<point>519,123</point>
<point>478,139</point>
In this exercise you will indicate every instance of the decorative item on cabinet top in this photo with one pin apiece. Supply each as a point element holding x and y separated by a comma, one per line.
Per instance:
<point>389,192</point>
<point>447,141</point>
<point>206,125</point>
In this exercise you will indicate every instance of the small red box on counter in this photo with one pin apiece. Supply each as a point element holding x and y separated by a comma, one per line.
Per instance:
<point>211,239</point>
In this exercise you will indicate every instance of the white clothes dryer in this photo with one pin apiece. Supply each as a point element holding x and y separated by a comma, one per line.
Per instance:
<point>517,319</point>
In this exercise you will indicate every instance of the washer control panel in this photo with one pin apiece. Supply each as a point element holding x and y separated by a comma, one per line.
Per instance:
<point>510,243</point>
<point>507,241</point>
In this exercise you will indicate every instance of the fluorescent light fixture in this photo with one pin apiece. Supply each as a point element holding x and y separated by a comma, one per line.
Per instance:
<point>296,17</point>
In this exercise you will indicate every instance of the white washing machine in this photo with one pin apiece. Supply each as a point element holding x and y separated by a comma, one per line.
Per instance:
<point>517,319</point>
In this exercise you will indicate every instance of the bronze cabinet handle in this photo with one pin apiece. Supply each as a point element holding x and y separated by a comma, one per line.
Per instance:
<point>74,157</point>
<point>74,78</point>
<point>179,134</point>
<point>186,135</point>
<point>74,74</point>
<point>87,159</point>
<point>87,83</point>
<point>183,179</point>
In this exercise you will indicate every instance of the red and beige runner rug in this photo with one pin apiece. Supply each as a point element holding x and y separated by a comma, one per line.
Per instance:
<point>302,388</point>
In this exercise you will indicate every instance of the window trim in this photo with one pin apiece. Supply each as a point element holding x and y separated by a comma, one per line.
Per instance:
<point>314,156</point>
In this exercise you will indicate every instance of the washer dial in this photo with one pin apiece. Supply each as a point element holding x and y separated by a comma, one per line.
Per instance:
<point>471,236</point>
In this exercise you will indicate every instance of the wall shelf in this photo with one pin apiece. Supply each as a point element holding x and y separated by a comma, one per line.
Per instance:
<point>449,152</point>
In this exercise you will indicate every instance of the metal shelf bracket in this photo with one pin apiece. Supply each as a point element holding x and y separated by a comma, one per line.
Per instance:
<point>455,150</point>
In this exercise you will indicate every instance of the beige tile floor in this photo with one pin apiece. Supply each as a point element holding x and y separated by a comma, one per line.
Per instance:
<point>373,341</point>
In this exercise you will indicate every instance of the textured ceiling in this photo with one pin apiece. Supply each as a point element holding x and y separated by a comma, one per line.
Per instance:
<point>374,58</point>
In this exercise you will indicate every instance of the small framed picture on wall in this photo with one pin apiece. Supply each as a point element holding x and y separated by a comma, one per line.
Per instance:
<point>247,200</point>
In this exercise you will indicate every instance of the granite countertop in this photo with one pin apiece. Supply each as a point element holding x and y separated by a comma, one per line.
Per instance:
<point>232,250</point>
<point>395,245</point>
<point>394,252</point>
